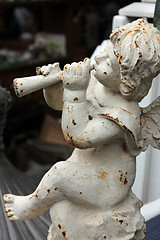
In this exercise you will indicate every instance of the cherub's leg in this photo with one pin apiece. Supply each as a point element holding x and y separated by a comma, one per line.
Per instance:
<point>65,180</point>
<point>52,235</point>
<point>37,203</point>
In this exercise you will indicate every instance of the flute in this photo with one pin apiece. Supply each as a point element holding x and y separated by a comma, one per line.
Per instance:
<point>27,85</point>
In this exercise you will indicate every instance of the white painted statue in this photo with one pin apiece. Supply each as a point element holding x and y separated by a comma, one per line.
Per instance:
<point>89,195</point>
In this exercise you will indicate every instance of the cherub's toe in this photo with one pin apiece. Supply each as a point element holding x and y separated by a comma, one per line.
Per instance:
<point>13,218</point>
<point>10,213</point>
<point>8,209</point>
<point>8,204</point>
<point>8,198</point>
<point>12,208</point>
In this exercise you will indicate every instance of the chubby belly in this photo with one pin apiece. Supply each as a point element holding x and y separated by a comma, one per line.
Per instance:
<point>99,177</point>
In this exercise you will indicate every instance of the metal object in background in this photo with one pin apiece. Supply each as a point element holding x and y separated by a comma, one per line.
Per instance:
<point>156,19</point>
<point>13,180</point>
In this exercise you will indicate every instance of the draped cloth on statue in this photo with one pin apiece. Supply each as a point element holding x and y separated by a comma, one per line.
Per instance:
<point>131,126</point>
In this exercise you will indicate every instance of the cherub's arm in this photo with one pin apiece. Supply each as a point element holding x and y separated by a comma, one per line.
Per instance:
<point>80,129</point>
<point>53,94</point>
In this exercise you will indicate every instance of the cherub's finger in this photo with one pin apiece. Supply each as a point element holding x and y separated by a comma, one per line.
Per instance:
<point>49,67</point>
<point>44,70</point>
<point>55,66</point>
<point>87,66</point>
<point>87,63</point>
<point>66,68</point>
<point>79,68</point>
<point>73,68</point>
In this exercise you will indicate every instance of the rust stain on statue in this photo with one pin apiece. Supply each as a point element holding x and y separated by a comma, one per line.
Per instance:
<point>101,174</point>
<point>64,234</point>
<point>74,123</point>
<point>120,60</point>
<point>117,121</point>
<point>16,87</point>
<point>59,226</point>
<point>76,142</point>
<point>69,139</point>
<point>120,221</point>
<point>90,117</point>
<point>75,99</point>
<point>89,141</point>
<point>31,197</point>
<point>123,177</point>
<point>137,46</point>
<point>124,110</point>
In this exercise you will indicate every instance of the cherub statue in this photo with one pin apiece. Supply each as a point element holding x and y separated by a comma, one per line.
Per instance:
<point>89,195</point>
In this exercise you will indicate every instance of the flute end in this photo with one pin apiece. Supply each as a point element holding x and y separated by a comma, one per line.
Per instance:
<point>16,89</point>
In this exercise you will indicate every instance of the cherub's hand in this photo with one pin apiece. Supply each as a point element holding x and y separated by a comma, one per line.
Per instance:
<point>76,76</point>
<point>49,69</point>
<point>52,70</point>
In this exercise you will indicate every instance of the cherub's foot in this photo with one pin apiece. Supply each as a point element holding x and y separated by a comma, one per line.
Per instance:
<point>11,207</point>
<point>20,207</point>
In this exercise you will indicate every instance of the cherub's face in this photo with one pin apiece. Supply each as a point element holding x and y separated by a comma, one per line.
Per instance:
<point>107,68</point>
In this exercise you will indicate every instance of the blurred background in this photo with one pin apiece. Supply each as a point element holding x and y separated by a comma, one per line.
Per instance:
<point>35,33</point>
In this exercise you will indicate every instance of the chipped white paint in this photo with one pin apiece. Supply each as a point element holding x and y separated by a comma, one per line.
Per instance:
<point>89,195</point>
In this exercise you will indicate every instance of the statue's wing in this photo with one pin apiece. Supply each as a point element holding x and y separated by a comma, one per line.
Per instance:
<point>150,120</point>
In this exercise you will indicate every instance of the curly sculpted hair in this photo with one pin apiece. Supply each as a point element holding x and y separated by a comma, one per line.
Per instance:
<point>137,47</point>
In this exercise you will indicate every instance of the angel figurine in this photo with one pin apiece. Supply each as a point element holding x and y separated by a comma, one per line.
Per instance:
<point>89,195</point>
